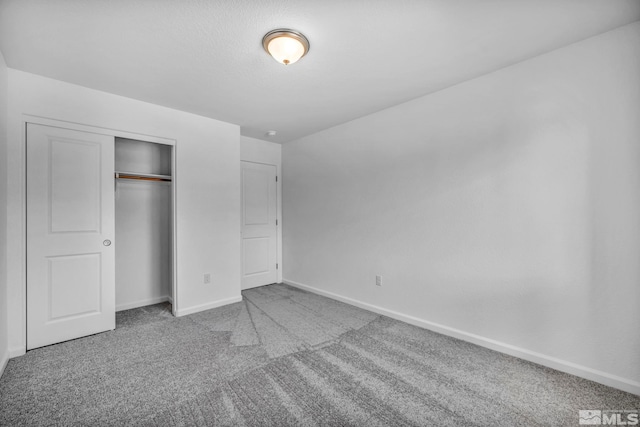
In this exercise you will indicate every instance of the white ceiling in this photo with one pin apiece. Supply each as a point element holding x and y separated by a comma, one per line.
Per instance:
<point>206,57</point>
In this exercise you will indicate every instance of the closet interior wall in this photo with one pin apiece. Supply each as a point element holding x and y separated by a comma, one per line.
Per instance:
<point>143,224</point>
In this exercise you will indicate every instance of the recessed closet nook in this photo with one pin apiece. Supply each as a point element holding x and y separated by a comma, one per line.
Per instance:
<point>143,223</point>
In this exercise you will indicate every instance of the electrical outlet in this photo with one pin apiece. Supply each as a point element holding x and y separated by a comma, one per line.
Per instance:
<point>378,280</point>
<point>207,277</point>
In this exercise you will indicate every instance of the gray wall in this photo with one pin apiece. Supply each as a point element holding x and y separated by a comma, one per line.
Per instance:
<point>4,344</point>
<point>506,207</point>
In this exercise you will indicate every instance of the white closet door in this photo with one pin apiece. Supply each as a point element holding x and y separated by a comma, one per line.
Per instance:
<point>70,228</point>
<point>259,235</point>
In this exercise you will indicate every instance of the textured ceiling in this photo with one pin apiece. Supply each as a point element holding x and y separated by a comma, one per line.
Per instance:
<point>206,57</point>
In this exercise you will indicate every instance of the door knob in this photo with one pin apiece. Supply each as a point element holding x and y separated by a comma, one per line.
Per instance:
<point>107,242</point>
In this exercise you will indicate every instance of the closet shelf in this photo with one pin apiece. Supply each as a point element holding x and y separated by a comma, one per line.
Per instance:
<point>142,176</point>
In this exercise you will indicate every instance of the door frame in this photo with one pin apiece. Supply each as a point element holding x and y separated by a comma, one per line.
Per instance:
<point>27,118</point>
<point>278,214</point>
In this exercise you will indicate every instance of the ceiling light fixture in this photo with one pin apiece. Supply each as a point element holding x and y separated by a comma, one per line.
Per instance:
<point>286,46</point>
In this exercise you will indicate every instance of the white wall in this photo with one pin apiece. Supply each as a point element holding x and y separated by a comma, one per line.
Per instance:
<point>270,153</point>
<point>4,343</point>
<point>142,157</point>
<point>505,210</point>
<point>259,151</point>
<point>207,179</point>
<point>143,237</point>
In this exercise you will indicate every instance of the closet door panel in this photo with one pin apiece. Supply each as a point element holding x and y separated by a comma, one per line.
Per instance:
<point>70,228</point>
<point>74,203</point>
<point>69,294</point>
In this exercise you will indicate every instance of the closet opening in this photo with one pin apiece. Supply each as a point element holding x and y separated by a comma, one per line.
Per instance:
<point>144,209</point>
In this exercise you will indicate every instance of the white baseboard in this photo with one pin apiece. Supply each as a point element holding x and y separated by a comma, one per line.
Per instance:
<point>541,359</point>
<point>143,303</point>
<point>208,306</point>
<point>4,359</point>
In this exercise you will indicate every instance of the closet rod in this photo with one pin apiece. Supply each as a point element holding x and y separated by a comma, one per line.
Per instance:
<point>142,176</point>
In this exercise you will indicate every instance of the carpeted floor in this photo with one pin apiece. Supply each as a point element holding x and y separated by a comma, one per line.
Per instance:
<point>286,357</point>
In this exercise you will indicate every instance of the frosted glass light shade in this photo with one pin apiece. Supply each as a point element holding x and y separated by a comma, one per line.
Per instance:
<point>285,46</point>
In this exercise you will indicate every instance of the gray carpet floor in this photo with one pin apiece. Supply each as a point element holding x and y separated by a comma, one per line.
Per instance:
<point>285,357</point>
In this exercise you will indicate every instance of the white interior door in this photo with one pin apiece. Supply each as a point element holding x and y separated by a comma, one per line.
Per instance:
<point>70,228</point>
<point>259,236</point>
